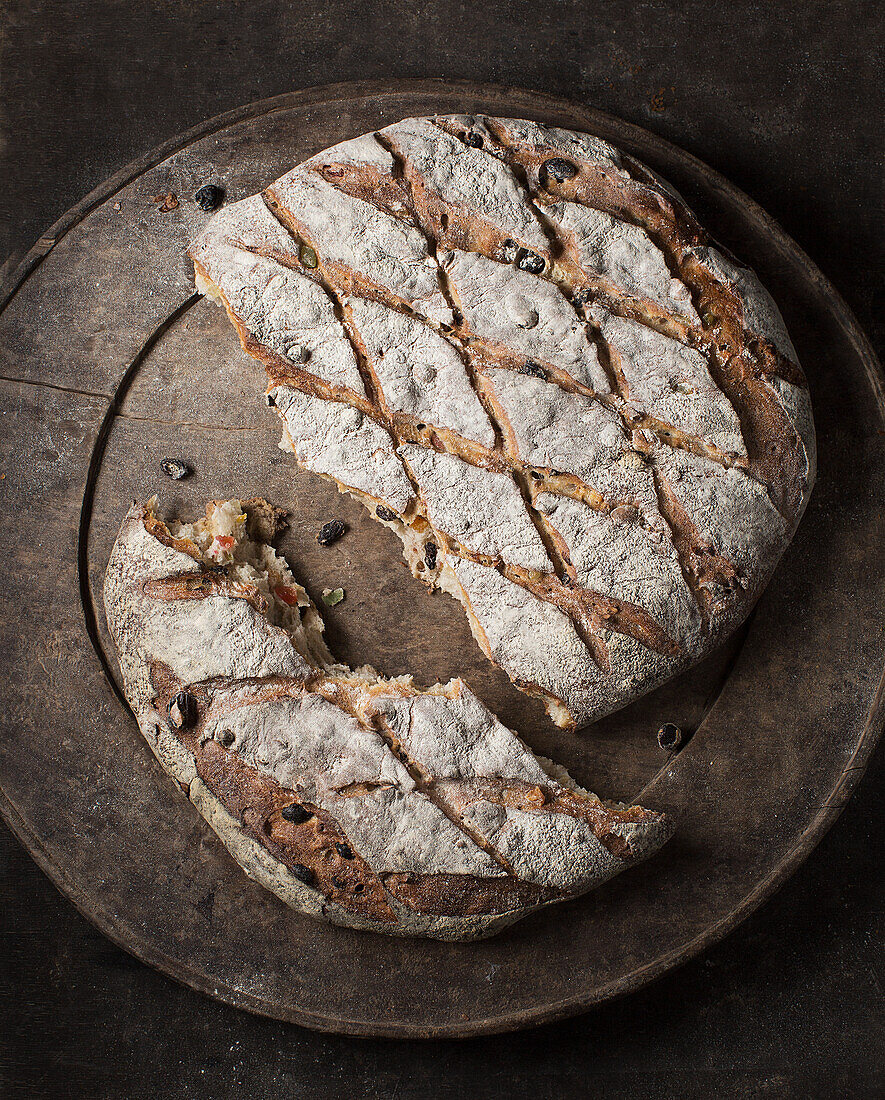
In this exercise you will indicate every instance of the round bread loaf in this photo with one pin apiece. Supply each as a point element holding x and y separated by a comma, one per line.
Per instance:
<point>519,349</point>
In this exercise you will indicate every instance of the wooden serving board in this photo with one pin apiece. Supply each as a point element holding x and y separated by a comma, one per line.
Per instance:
<point>110,364</point>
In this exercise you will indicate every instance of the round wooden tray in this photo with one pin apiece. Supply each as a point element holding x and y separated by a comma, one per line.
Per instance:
<point>110,363</point>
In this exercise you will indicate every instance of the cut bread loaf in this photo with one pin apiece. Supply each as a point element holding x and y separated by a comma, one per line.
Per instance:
<point>364,801</point>
<point>517,347</point>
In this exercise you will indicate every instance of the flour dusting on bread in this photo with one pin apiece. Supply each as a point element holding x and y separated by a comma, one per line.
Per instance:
<point>521,352</point>
<point>358,799</point>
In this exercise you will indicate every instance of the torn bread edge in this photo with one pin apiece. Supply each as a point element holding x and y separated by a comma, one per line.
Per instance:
<point>225,548</point>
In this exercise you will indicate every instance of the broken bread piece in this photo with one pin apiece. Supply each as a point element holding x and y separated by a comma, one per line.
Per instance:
<point>521,352</point>
<point>360,800</point>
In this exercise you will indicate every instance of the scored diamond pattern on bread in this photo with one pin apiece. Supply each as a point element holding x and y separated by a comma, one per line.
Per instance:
<point>520,345</point>
<point>363,801</point>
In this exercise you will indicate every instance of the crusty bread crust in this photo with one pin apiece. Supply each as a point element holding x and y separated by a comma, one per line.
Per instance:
<point>362,801</point>
<point>521,344</point>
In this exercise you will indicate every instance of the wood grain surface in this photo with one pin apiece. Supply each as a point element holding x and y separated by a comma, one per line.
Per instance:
<point>113,366</point>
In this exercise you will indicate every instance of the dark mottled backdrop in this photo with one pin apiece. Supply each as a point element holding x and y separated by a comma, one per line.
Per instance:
<point>784,99</point>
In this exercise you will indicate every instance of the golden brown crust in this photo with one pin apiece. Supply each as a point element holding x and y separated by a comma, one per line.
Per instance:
<point>161,533</point>
<point>345,280</point>
<point>597,612</point>
<point>311,849</point>
<point>465,895</point>
<point>535,798</point>
<point>316,850</point>
<point>200,586</point>
<point>369,183</point>
<point>706,571</point>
